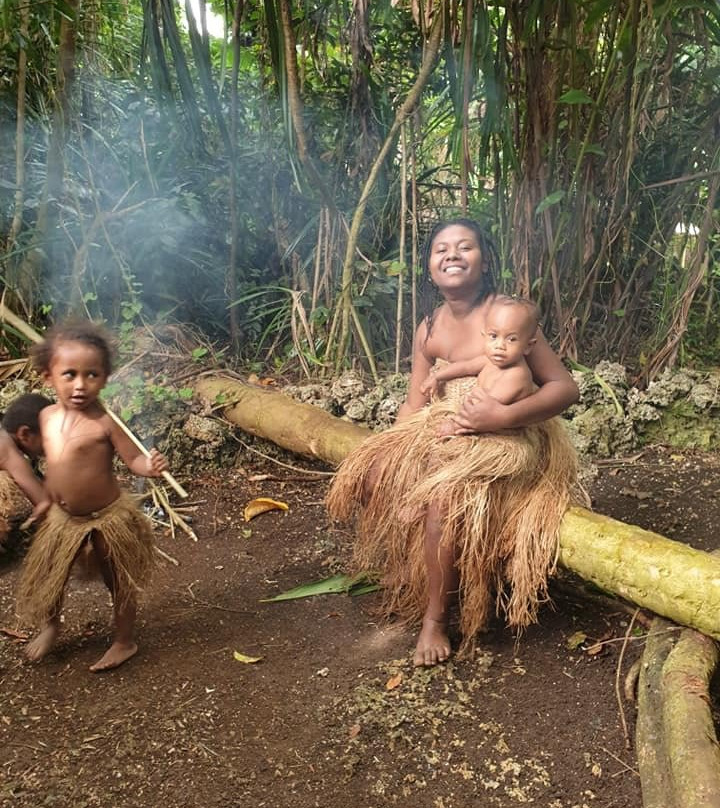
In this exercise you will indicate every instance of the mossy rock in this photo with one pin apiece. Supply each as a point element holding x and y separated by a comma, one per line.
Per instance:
<point>683,426</point>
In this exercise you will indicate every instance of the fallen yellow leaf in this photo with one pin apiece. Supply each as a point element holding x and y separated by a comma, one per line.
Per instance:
<point>249,660</point>
<point>261,505</point>
<point>394,681</point>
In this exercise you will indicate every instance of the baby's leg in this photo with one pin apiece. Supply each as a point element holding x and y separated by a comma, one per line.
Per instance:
<point>433,643</point>
<point>124,609</point>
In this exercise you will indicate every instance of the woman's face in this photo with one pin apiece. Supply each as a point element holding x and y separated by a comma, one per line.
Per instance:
<point>456,260</point>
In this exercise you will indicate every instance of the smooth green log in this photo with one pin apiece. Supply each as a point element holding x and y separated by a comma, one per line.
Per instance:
<point>688,721</point>
<point>664,576</point>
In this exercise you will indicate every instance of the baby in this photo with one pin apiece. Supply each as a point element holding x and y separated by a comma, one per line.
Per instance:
<point>510,332</point>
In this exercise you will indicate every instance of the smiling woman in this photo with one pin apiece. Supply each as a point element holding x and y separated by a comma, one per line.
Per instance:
<point>448,513</point>
<point>215,23</point>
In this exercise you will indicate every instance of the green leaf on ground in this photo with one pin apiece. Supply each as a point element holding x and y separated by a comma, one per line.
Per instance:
<point>335,585</point>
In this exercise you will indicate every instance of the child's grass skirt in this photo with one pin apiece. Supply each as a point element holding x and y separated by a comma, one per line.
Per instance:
<point>59,539</point>
<point>15,507</point>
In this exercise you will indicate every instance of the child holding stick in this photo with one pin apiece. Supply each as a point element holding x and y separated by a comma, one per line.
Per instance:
<point>89,511</point>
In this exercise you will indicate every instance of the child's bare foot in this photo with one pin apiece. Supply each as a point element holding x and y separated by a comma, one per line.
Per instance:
<point>115,655</point>
<point>433,644</point>
<point>39,647</point>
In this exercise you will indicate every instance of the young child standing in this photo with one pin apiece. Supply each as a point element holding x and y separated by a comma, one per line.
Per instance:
<point>20,440</point>
<point>89,510</point>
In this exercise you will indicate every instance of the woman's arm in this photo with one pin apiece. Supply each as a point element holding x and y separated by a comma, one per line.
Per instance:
<point>421,365</point>
<point>556,392</point>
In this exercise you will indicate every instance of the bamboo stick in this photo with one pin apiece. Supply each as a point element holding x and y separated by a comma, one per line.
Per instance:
<point>169,479</point>
<point>28,331</point>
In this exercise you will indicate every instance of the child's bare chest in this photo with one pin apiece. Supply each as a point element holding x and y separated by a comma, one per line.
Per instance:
<point>71,440</point>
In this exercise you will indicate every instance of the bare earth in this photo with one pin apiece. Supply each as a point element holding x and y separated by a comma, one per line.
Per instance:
<point>333,714</point>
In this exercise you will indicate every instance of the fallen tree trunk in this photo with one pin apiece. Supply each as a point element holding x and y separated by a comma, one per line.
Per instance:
<point>656,573</point>
<point>301,428</point>
<point>650,747</point>
<point>688,726</point>
<point>677,749</point>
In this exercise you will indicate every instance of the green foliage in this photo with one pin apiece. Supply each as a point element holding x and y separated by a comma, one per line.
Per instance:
<point>138,395</point>
<point>581,134</point>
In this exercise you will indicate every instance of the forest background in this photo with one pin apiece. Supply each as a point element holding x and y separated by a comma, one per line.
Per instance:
<point>266,172</point>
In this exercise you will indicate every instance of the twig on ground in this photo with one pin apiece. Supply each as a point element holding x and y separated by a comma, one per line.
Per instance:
<point>619,461</point>
<point>626,766</point>
<point>617,680</point>
<point>195,599</point>
<point>167,557</point>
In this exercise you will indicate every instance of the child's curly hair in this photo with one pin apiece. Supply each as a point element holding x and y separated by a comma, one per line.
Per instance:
<point>85,331</point>
<point>24,411</point>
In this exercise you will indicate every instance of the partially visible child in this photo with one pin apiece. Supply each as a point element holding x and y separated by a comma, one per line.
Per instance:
<point>19,442</point>
<point>502,372</point>
<point>89,509</point>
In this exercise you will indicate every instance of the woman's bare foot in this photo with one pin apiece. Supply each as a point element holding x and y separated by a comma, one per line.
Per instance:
<point>39,647</point>
<point>115,655</point>
<point>433,644</point>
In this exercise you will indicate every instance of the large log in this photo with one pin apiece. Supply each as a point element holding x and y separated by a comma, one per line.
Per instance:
<point>654,572</point>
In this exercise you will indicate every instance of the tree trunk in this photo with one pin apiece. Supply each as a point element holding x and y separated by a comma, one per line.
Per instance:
<point>688,723</point>
<point>656,573</point>
<point>301,428</point>
<point>652,753</point>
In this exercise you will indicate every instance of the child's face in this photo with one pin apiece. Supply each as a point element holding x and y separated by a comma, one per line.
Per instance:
<point>456,260</point>
<point>509,335</point>
<point>77,374</point>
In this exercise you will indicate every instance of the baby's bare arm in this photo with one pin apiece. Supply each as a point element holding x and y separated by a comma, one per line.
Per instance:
<point>456,370</point>
<point>511,384</point>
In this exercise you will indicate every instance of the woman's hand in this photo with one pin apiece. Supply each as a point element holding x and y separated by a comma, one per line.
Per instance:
<point>480,412</point>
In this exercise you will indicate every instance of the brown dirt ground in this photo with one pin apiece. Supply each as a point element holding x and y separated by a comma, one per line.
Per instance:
<point>317,721</point>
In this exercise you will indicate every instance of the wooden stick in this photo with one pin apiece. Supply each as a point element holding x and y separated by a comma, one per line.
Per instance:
<point>169,479</point>
<point>28,331</point>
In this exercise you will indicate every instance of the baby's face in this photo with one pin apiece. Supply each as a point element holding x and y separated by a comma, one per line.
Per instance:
<point>509,335</point>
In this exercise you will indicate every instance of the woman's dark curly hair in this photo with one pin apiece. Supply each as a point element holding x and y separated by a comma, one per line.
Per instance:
<point>85,331</point>
<point>429,297</point>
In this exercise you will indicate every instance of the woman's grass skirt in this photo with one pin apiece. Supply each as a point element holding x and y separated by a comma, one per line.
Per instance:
<point>501,500</point>
<point>60,538</point>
